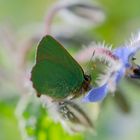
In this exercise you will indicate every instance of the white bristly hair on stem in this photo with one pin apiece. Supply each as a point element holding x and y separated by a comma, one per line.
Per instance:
<point>52,108</point>
<point>134,41</point>
<point>21,106</point>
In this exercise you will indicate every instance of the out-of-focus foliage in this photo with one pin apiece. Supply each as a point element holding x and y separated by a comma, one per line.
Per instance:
<point>25,20</point>
<point>39,126</point>
<point>8,123</point>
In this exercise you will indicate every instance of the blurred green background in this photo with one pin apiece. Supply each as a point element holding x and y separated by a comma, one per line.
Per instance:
<point>20,19</point>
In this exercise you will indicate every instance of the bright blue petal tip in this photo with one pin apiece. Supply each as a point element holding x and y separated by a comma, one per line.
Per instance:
<point>124,54</point>
<point>96,94</point>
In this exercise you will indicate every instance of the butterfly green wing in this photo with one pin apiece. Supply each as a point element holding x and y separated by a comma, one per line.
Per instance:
<point>55,73</point>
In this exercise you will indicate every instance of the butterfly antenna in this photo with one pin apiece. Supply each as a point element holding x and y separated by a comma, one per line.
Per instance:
<point>90,61</point>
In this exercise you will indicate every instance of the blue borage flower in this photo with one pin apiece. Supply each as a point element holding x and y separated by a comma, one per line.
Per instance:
<point>120,63</point>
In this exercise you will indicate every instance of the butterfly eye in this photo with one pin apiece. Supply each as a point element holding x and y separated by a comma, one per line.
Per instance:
<point>87,78</point>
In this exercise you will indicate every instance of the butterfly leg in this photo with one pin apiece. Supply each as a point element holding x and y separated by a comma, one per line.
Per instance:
<point>77,94</point>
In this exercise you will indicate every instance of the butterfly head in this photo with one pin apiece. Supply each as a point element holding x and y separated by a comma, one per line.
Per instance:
<point>86,83</point>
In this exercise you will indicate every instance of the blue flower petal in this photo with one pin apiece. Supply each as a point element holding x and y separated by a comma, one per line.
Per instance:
<point>124,53</point>
<point>119,75</point>
<point>96,94</point>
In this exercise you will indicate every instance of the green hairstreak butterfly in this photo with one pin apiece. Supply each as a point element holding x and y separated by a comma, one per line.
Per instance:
<point>56,73</point>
